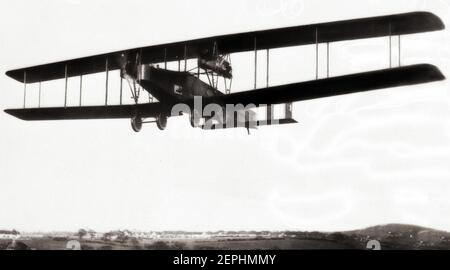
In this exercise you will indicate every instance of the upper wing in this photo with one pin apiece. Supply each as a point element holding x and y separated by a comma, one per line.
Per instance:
<point>88,112</point>
<point>400,24</point>
<point>402,76</point>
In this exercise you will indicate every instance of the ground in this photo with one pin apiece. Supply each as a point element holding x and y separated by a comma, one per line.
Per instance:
<point>389,236</point>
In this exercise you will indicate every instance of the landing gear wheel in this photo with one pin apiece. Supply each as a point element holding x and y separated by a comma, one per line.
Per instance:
<point>195,118</point>
<point>161,122</point>
<point>136,123</point>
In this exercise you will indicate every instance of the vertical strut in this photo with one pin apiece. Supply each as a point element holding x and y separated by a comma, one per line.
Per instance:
<point>24,88</point>
<point>81,88</point>
<point>399,51</point>
<point>256,62</point>
<point>65,86</point>
<point>140,64</point>
<point>39,104</point>
<point>267,68</point>
<point>185,58</point>
<point>165,58</point>
<point>390,45</point>
<point>121,88</point>
<point>390,51</point>
<point>207,75</point>
<point>106,83</point>
<point>269,111</point>
<point>288,111</point>
<point>179,68</point>
<point>317,54</point>
<point>227,90</point>
<point>328,59</point>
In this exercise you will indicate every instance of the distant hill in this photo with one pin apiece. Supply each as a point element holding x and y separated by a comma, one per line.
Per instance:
<point>404,236</point>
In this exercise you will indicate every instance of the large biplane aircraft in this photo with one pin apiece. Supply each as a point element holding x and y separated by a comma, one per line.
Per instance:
<point>146,68</point>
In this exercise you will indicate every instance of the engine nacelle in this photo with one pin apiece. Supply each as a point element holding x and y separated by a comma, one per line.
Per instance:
<point>217,64</point>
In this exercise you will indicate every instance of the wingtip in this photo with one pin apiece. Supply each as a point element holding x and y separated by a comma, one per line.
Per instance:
<point>438,21</point>
<point>434,20</point>
<point>431,73</point>
<point>8,111</point>
<point>436,73</point>
<point>440,74</point>
<point>15,113</point>
<point>13,75</point>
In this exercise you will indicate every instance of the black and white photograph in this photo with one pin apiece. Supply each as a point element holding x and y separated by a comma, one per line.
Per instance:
<point>254,125</point>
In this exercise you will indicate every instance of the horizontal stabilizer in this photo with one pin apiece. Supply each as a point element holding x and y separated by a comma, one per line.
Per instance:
<point>254,124</point>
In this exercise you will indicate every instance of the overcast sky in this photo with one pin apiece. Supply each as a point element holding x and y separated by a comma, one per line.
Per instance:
<point>352,161</point>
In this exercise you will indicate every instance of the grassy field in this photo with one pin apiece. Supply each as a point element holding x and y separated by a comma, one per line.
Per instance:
<point>183,244</point>
<point>391,236</point>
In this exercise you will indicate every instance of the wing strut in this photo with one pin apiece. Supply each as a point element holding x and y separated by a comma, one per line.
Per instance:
<point>267,67</point>
<point>81,88</point>
<point>121,89</point>
<point>317,54</point>
<point>256,62</point>
<point>39,103</point>
<point>65,85</point>
<point>185,57</point>
<point>328,59</point>
<point>269,109</point>
<point>390,45</point>
<point>165,58</point>
<point>107,78</point>
<point>399,37</point>
<point>399,51</point>
<point>24,89</point>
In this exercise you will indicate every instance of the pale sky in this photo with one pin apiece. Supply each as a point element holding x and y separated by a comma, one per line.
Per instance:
<point>351,162</point>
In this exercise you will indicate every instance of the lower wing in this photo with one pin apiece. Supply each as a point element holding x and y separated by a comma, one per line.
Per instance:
<point>360,82</point>
<point>335,86</point>
<point>88,112</point>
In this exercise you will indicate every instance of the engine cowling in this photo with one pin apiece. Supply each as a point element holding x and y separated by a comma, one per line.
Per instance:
<point>217,64</point>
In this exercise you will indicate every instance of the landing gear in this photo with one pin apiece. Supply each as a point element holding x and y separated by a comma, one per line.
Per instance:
<point>136,124</point>
<point>161,122</point>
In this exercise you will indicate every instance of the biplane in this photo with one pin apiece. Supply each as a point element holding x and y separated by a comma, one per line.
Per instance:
<point>146,69</point>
